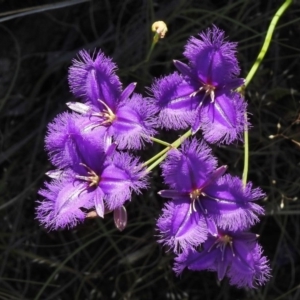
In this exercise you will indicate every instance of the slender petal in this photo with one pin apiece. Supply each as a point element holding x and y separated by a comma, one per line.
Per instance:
<point>99,203</point>
<point>127,92</point>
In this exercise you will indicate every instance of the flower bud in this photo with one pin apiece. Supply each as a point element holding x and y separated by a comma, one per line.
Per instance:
<point>120,217</point>
<point>160,28</point>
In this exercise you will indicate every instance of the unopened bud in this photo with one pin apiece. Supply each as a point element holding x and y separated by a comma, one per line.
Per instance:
<point>120,217</point>
<point>160,28</point>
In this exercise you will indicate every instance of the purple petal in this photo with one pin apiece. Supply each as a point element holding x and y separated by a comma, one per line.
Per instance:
<point>180,227</point>
<point>62,140</point>
<point>120,177</point>
<point>197,123</point>
<point>214,176</point>
<point>110,149</point>
<point>134,123</point>
<point>188,168</point>
<point>182,68</point>
<point>99,204</point>
<point>172,194</point>
<point>68,140</point>
<point>127,91</point>
<point>175,106</point>
<point>214,59</point>
<point>78,107</point>
<point>235,83</point>
<point>222,267</point>
<point>196,261</point>
<point>232,207</point>
<point>211,226</point>
<point>55,174</point>
<point>63,203</point>
<point>224,120</point>
<point>94,78</point>
<point>250,268</point>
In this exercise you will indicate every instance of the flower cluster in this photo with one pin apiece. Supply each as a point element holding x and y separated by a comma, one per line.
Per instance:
<point>91,174</point>
<point>207,218</point>
<point>212,210</point>
<point>208,209</point>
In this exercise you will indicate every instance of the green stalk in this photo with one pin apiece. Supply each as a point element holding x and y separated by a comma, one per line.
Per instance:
<point>155,157</point>
<point>253,70</point>
<point>175,144</point>
<point>160,142</point>
<point>154,42</point>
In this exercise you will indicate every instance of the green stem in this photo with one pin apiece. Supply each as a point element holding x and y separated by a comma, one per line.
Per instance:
<point>246,152</point>
<point>157,155</point>
<point>154,41</point>
<point>160,142</point>
<point>175,144</point>
<point>253,70</point>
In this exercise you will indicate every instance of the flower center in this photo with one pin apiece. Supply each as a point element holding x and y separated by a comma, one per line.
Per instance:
<point>195,196</point>
<point>209,91</point>
<point>107,116</point>
<point>93,179</point>
<point>226,239</point>
<point>222,242</point>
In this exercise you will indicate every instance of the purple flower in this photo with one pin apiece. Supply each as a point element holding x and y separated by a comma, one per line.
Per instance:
<point>201,96</point>
<point>129,120</point>
<point>202,198</point>
<point>234,254</point>
<point>92,176</point>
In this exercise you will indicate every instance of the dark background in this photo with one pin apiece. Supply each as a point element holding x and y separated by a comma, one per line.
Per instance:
<point>38,40</point>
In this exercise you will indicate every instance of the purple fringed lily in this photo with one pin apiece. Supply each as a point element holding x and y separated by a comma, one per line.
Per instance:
<point>202,198</point>
<point>127,117</point>
<point>202,95</point>
<point>91,177</point>
<point>98,182</point>
<point>236,255</point>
